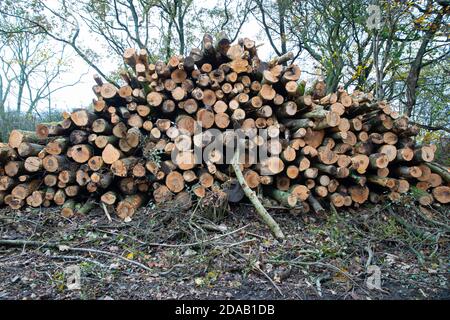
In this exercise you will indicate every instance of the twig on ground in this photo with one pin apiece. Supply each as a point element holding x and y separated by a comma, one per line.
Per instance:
<point>106,212</point>
<point>81,258</point>
<point>21,242</point>
<point>269,278</point>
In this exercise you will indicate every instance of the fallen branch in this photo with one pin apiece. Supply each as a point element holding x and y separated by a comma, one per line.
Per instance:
<point>260,210</point>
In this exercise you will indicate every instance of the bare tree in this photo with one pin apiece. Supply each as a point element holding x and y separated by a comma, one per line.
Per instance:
<point>228,16</point>
<point>274,19</point>
<point>434,13</point>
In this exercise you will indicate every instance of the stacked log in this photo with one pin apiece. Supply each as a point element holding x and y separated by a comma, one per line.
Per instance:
<point>136,144</point>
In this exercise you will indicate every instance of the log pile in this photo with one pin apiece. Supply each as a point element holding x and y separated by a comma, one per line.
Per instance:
<point>339,148</point>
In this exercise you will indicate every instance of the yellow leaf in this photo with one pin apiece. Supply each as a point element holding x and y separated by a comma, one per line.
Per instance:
<point>130,256</point>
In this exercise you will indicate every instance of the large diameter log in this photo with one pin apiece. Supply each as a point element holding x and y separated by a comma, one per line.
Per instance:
<point>83,118</point>
<point>54,163</point>
<point>81,153</point>
<point>378,160</point>
<point>425,153</point>
<point>6,183</point>
<point>57,146</point>
<point>13,168</point>
<point>300,191</point>
<point>175,181</point>
<point>110,154</point>
<point>442,194</point>
<point>23,190</point>
<point>359,194</point>
<point>16,137</point>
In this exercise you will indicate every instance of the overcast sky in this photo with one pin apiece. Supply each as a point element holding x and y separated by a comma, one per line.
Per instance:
<point>81,94</point>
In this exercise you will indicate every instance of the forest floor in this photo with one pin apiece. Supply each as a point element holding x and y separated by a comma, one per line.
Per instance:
<point>167,253</point>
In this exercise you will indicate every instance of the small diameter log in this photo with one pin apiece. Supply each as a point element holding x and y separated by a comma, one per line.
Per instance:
<point>36,199</point>
<point>128,206</point>
<point>270,166</point>
<point>440,170</point>
<point>67,176</point>
<point>72,191</point>
<point>123,166</point>
<point>82,177</point>
<point>68,208</point>
<point>109,198</point>
<point>78,137</point>
<point>300,191</point>
<point>86,207</point>
<point>409,172</point>
<point>401,186</point>
<point>426,173</point>
<point>251,178</point>
<point>6,183</point>
<point>95,163</point>
<point>382,181</point>
<point>389,150</point>
<point>315,204</point>
<point>102,180</point>
<point>360,163</point>
<point>44,130</point>
<point>27,149</point>
<point>337,200</point>
<point>101,126</point>
<point>285,198</point>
